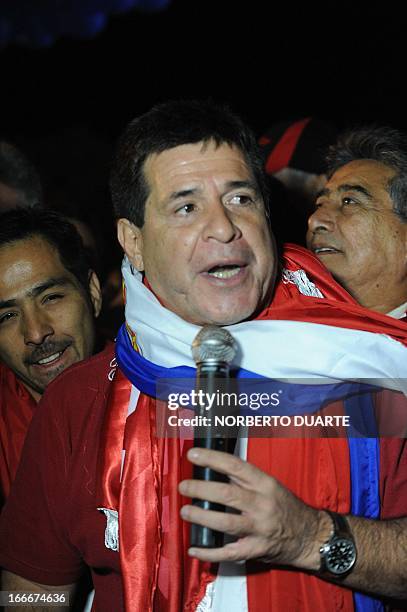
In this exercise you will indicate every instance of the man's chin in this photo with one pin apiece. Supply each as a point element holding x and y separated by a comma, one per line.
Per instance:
<point>39,384</point>
<point>221,317</point>
<point>50,376</point>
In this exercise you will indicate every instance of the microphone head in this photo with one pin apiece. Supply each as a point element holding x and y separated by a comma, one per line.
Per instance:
<point>213,343</point>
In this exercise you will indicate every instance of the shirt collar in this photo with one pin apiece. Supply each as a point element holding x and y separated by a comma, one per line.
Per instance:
<point>399,312</point>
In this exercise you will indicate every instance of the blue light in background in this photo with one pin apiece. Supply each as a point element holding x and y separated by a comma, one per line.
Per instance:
<point>41,23</point>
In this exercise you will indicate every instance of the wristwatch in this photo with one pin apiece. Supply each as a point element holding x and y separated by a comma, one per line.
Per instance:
<point>338,554</point>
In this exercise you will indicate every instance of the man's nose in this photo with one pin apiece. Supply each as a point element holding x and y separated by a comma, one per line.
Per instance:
<point>36,327</point>
<point>220,225</point>
<point>323,219</point>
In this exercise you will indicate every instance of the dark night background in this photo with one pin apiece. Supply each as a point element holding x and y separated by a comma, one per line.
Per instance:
<point>66,104</point>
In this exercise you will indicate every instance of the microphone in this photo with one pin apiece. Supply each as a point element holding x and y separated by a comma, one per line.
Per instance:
<point>213,349</point>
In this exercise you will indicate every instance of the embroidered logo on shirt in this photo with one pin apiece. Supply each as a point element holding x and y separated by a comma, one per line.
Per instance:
<point>112,528</point>
<point>113,366</point>
<point>302,282</point>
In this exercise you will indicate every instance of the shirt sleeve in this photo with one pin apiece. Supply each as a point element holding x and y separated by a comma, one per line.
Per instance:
<point>34,522</point>
<point>16,410</point>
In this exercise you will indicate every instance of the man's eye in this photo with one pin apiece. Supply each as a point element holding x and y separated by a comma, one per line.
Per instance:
<point>7,316</point>
<point>53,297</point>
<point>241,199</point>
<point>185,209</point>
<point>348,201</point>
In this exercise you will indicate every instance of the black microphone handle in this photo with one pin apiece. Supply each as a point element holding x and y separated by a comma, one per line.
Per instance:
<point>208,376</point>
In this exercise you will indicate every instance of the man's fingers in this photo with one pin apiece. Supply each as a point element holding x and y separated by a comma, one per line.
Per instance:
<point>241,472</point>
<point>216,555</point>
<point>233,524</point>
<point>242,549</point>
<point>222,493</point>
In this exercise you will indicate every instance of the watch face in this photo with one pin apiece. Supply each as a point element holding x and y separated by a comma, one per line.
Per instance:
<point>341,556</point>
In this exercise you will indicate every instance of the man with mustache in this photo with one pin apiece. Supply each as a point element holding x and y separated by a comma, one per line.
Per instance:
<point>191,199</point>
<point>49,298</point>
<point>359,228</point>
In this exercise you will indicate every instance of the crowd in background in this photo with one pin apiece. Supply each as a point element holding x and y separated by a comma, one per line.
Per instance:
<point>294,156</point>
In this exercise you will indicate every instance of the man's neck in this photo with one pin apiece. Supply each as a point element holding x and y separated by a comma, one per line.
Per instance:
<point>382,306</point>
<point>380,299</point>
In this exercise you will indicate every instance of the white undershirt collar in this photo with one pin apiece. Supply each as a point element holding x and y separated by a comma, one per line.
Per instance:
<point>399,312</point>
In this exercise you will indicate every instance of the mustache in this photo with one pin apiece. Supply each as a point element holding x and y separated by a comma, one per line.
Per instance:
<point>45,350</point>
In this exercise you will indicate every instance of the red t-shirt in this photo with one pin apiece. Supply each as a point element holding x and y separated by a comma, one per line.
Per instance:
<point>50,527</point>
<point>16,410</point>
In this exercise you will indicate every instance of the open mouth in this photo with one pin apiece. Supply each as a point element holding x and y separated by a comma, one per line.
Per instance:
<point>45,358</point>
<point>323,250</point>
<point>224,272</point>
<point>50,359</point>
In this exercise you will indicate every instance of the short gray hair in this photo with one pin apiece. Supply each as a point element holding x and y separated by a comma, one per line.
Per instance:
<point>379,143</point>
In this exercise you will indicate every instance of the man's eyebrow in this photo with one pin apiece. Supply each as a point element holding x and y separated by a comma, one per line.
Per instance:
<point>182,193</point>
<point>358,188</point>
<point>60,281</point>
<point>345,187</point>
<point>242,185</point>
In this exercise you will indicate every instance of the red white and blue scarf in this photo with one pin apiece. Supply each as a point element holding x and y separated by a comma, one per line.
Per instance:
<point>157,573</point>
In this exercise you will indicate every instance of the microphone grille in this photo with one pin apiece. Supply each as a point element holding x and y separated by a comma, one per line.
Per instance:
<point>213,343</point>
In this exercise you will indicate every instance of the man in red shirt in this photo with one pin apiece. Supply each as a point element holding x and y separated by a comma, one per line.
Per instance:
<point>49,298</point>
<point>358,231</point>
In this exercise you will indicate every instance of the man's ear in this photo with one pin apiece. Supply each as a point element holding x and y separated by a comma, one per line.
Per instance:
<point>95,293</point>
<point>131,241</point>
